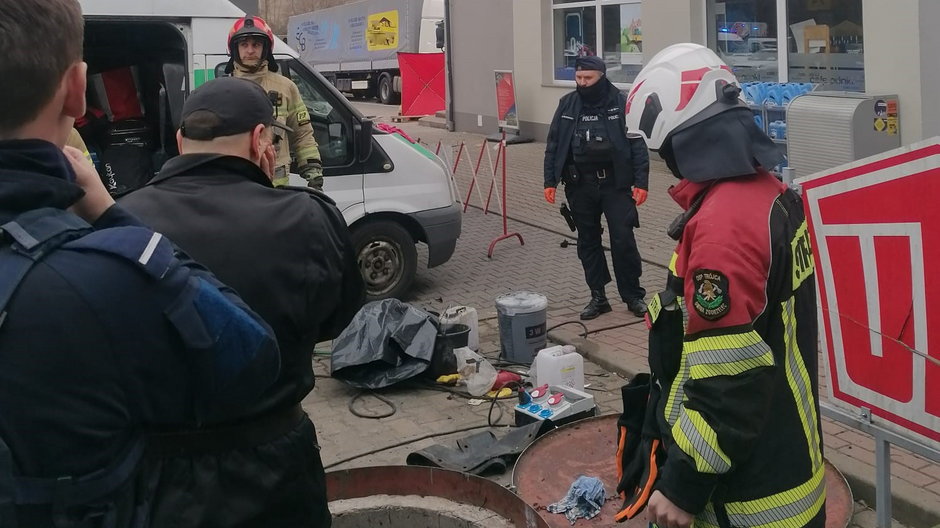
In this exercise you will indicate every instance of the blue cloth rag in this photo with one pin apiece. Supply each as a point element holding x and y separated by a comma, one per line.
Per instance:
<point>584,499</point>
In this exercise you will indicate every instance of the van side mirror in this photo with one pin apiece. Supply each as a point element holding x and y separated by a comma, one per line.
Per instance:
<point>439,34</point>
<point>363,138</point>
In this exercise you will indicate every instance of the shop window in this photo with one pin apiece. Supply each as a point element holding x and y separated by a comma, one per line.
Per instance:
<point>744,34</point>
<point>623,41</point>
<point>612,31</point>
<point>825,45</point>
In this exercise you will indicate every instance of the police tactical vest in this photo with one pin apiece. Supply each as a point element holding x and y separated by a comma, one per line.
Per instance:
<point>592,144</point>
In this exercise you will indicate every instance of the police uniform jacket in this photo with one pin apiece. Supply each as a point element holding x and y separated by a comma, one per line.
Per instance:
<point>737,359</point>
<point>287,251</point>
<point>109,336</point>
<point>290,110</point>
<point>630,157</point>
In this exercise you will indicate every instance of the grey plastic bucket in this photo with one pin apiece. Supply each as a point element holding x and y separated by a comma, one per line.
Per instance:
<point>521,317</point>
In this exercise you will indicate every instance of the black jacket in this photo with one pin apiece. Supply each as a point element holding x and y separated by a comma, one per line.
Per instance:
<point>631,158</point>
<point>287,251</point>
<point>97,348</point>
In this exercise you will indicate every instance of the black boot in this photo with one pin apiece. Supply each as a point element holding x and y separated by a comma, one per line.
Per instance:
<point>637,306</point>
<point>597,306</point>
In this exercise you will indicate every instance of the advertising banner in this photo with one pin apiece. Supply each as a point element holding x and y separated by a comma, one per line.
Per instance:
<point>506,101</point>
<point>876,242</point>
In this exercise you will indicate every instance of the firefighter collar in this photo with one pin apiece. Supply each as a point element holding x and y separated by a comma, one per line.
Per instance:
<point>711,299</point>
<point>685,192</point>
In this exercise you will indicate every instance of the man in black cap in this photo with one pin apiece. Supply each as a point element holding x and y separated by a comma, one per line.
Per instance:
<point>287,251</point>
<point>605,170</point>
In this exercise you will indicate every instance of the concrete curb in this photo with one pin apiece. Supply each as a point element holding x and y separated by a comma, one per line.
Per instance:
<point>910,505</point>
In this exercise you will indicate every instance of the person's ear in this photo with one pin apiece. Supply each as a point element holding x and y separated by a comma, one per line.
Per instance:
<point>179,141</point>
<point>75,83</point>
<point>257,142</point>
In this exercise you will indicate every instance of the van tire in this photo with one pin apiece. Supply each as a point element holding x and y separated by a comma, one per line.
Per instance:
<point>387,258</point>
<point>385,91</point>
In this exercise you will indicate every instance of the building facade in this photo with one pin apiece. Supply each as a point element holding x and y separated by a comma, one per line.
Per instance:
<point>843,45</point>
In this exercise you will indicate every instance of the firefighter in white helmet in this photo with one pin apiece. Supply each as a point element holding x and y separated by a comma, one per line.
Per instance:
<point>732,417</point>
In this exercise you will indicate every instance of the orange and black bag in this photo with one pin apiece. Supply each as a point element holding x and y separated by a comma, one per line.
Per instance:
<point>639,447</point>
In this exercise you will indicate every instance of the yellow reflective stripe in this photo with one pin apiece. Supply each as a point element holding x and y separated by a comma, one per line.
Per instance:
<point>677,390</point>
<point>87,155</point>
<point>654,307</point>
<point>706,519</point>
<point>676,393</point>
<point>672,263</point>
<point>800,386</point>
<point>697,439</point>
<point>801,250</point>
<point>793,507</point>
<point>727,355</point>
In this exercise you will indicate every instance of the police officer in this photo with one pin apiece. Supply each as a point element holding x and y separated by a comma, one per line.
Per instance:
<point>590,150</point>
<point>251,46</point>
<point>733,336</point>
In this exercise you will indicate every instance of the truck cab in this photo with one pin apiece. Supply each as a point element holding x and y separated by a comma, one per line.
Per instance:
<point>392,193</point>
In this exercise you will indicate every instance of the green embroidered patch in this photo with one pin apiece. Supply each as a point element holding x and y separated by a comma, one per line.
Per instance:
<point>711,300</point>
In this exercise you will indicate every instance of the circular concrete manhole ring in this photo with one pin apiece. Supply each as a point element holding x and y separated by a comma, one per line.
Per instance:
<point>409,496</point>
<point>548,466</point>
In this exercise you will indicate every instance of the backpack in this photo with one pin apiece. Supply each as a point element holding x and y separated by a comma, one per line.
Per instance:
<point>25,241</point>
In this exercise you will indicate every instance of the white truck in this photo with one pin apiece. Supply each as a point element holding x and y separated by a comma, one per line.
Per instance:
<point>392,193</point>
<point>355,46</point>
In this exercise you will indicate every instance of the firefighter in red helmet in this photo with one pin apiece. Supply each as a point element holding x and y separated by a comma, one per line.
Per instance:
<point>251,47</point>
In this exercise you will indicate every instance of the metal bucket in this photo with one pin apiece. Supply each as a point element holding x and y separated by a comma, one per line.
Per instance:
<point>521,316</point>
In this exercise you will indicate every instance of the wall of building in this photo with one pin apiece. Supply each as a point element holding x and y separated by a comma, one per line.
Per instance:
<point>665,22</point>
<point>929,68</point>
<point>889,28</point>
<point>481,42</point>
<point>248,6</point>
<point>536,96</point>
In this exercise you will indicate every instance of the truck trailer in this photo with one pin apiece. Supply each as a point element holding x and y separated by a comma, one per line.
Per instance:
<point>355,46</point>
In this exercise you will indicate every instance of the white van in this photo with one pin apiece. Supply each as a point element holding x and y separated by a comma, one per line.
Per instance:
<point>393,194</point>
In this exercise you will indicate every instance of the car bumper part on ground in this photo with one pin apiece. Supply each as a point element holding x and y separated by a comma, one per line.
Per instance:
<point>442,228</point>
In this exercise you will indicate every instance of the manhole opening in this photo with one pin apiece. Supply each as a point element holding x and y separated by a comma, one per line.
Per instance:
<point>410,511</point>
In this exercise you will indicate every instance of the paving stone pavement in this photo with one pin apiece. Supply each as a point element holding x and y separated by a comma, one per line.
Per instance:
<point>542,265</point>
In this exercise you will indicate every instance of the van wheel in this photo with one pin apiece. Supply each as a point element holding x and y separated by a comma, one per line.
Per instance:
<point>386,93</point>
<point>387,259</point>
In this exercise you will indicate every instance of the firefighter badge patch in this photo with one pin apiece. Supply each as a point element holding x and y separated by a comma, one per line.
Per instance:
<point>711,299</point>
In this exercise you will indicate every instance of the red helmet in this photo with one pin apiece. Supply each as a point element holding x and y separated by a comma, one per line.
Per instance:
<point>252,26</point>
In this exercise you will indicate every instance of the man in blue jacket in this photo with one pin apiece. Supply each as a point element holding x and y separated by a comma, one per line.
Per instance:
<point>605,170</point>
<point>106,329</point>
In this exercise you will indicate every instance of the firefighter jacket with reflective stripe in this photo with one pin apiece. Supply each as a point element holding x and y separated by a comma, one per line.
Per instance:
<point>291,111</point>
<point>733,344</point>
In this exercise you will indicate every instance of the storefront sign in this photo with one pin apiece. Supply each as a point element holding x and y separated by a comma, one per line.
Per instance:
<point>876,243</point>
<point>506,100</point>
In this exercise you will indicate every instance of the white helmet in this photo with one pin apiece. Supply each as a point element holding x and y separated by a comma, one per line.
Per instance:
<point>681,85</point>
